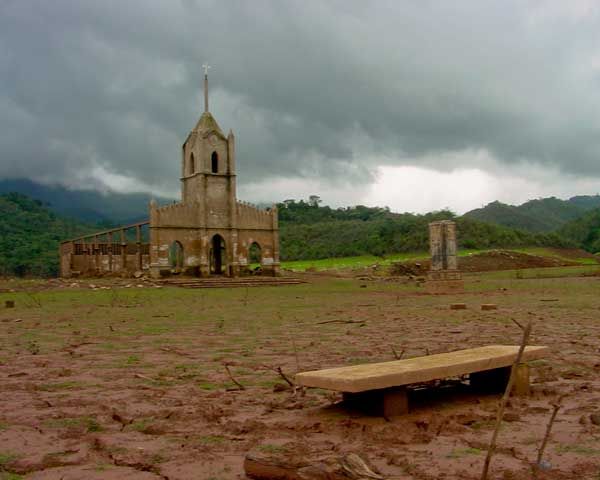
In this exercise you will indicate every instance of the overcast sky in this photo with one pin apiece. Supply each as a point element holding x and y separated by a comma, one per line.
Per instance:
<point>417,105</point>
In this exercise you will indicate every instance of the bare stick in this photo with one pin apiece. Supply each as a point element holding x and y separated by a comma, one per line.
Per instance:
<point>397,355</point>
<point>279,370</point>
<point>296,355</point>
<point>517,323</point>
<point>238,384</point>
<point>285,377</point>
<point>504,400</point>
<point>340,321</point>
<point>556,408</point>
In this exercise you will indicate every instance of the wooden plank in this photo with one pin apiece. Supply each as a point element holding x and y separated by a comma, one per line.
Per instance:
<point>373,376</point>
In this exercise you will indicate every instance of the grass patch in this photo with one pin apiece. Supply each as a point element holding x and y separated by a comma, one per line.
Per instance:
<point>89,423</point>
<point>52,387</point>
<point>462,452</point>
<point>208,386</point>
<point>211,439</point>
<point>579,449</point>
<point>270,448</point>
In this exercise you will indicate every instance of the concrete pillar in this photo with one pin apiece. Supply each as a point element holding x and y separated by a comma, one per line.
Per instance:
<point>110,251</point>
<point>443,276</point>
<point>442,243</point>
<point>123,251</point>
<point>138,247</point>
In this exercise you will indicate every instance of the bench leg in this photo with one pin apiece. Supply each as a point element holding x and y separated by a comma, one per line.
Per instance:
<point>490,381</point>
<point>495,381</point>
<point>388,402</point>
<point>521,382</point>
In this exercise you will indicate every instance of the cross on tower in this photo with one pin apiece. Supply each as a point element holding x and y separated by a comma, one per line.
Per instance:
<point>206,66</point>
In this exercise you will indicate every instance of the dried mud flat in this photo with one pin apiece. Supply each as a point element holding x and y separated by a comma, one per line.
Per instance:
<point>130,383</point>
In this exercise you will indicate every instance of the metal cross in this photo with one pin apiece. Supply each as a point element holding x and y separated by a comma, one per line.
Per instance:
<point>206,66</point>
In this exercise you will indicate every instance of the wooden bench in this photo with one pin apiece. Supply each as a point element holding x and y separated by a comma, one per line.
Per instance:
<point>384,384</point>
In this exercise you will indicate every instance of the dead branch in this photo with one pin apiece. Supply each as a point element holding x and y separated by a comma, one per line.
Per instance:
<point>176,352</point>
<point>238,384</point>
<point>397,356</point>
<point>285,377</point>
<point>143,377</point>
<point>504,400</point>
<point>556,408</point>
<point>296,355</point>
<point>517,324</point>
<point>341,321</point>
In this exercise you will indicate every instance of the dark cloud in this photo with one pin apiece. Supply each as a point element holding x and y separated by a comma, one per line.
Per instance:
<point>310,88</point>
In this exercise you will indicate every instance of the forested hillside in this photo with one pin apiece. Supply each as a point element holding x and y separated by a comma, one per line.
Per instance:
<point>30,235</point>
<point>541,215</point>
<point>584,231</point>
<point>308,231</point>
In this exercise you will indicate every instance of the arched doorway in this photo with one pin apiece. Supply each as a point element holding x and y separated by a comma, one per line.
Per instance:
<point>176,256</point>
<point>254,256</point>
<point>217,255</point>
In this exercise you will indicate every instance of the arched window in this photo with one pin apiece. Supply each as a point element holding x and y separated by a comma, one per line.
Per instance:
<point>192,164</point>
<point>214,162</point>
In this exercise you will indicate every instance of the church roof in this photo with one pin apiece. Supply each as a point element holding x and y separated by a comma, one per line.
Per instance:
<point>206,124</point>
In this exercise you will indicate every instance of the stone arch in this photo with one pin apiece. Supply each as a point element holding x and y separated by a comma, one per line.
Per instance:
<point>192,164</point>
<point>176,256</point>
<point>218,257</point>
<point>254,254</point>
<point>214,162</point>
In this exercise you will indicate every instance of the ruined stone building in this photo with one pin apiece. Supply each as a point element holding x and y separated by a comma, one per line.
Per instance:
<point>209,232</point>
<point>444,275</point>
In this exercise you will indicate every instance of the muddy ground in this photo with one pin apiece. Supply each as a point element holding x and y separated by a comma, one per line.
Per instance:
<point>130,383</point>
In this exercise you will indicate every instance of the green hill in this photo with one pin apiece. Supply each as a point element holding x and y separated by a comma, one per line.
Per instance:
<point>30,235</point>
<point>584,231</point>
<point>308,231</point>
<point>541,215</point>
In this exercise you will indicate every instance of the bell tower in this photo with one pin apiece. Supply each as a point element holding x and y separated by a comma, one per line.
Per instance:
<point>208,166</point>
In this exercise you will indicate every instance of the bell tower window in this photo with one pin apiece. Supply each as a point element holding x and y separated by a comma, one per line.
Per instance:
<point>214,162</point>
<point>192,164</point>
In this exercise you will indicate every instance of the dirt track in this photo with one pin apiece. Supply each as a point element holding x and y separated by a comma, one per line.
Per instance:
<point>130,383</point>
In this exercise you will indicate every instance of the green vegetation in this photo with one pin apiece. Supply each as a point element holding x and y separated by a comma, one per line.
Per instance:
<point>584,231</point>
<point>90,424</point>
<point>309,231</point>
<point>541,215</point>
<point>30,235</point>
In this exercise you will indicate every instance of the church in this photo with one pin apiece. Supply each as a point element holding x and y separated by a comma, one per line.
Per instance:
<point>208,232</point>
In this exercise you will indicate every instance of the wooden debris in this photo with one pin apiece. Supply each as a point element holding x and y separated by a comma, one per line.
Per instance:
<point>458,306</point>
<point>341,321</point>
<point>489,306</point>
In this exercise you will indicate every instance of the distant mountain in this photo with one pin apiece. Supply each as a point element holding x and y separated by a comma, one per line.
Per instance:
<point>85,205</point>
<point>541,215</point>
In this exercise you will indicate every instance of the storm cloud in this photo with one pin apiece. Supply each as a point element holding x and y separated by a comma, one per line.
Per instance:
<point>96,93</point>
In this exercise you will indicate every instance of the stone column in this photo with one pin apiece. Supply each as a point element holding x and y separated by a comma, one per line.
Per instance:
<point>123,251</point>
<point>443,276</point>
<point>138,247</point>
<point>110,251</point>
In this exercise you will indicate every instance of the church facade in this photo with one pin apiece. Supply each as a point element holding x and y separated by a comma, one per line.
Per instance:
<point>208,232</point>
